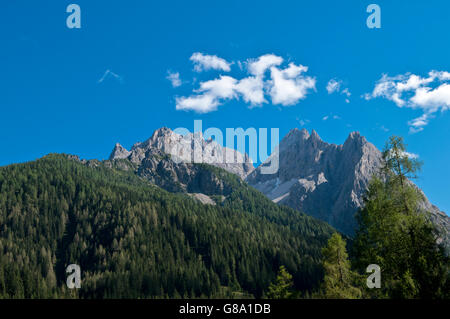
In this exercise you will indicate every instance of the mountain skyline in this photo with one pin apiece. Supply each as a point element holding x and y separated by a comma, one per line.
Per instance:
<point>326,181</point>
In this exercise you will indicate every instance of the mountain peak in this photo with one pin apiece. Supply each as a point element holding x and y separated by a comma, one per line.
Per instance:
<point>119,152</point>
<point>321,179</point>
<point>186,149</point>
<point>293,136</point>
<point>163,131</point>
<point>355,137</point>
<point>304,133</point>
<point>295,132</point>
<point>314,135</point>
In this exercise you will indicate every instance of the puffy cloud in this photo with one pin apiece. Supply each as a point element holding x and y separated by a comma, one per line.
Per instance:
<point>433,99</point>
<point>221,88</point>
<point>430,94</point>
<point>174,78</point>
<point>252,90</point>
<point>215,92</point>
<point>258,66</point>
<point>204,62</point>
<point>212,94</point>
<point>202,103</point>
<point>286,86</point>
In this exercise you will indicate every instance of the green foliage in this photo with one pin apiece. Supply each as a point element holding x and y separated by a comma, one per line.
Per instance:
<point>339,280</point>
<point>135,240</point>
<point>282,287</point>
<point>397,162</point>
<point>395,234</point>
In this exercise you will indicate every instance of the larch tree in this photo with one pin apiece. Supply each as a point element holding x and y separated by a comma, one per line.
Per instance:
<point>339,279</point>
<point>282,287</point>
<point>395,233</point>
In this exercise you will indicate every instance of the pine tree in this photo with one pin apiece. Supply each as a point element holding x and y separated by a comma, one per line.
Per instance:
<point>282,287</point>
<point>339,279</point>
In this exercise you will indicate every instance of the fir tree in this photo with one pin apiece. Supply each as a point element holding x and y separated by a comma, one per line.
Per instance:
<point>396,234</point>
<point>282,287</point>
<point>339,279</point>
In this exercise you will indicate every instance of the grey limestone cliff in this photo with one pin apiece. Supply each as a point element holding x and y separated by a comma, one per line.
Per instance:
<point>327,181</point>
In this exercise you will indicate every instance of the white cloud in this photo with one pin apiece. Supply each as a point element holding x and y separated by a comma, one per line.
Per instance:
<point>346,92</point>
<point>411,155</point>
<point>430,94</point>
<point>286,86</point>
<point>252,90</point>
<point>331,116</point>
<point>258,66</point>
<point>174,78</point>
<point>109,73</point>
<point>417,124</point>
<point>204,62</point>
<point>213,92</point>
<point>432,99</point>
<point>333,86</point>
<point>441,75</point>
<point>407,154</point>
<point>221,88</point>
<point>202,103</point>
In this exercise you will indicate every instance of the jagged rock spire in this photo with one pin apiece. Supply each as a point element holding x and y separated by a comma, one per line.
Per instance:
<point>119,152</point>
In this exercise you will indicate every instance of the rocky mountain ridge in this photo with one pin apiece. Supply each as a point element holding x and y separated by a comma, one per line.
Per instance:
<point>327,181</point>
<point>175,163</point>
<point>191,148</point>
<point>324,180</point>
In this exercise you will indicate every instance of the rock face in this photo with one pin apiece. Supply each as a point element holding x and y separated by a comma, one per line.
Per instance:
<point>325,180</point>
<point>202,198</point>
<point>169,160</point>
<point>119,152</point>
<point>192,148</point>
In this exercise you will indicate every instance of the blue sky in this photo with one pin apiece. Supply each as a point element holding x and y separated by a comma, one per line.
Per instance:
<point>56,94</point>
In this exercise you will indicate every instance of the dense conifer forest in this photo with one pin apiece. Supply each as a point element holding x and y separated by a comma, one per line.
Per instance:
<point>135,240</point>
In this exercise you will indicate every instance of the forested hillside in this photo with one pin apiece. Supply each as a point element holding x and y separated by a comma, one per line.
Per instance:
<point>135,240</point>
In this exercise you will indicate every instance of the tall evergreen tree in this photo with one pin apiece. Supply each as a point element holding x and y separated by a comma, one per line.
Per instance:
<point>395,233</point>
<point>339,279</point>
<point>282,287</point>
